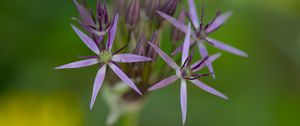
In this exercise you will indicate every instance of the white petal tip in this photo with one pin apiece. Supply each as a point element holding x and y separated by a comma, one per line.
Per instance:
<point>91,107</point>
<point>218,55</point>
<point>245,55</point>
<point>57,68</point>
<point>140,93</point>
<point>224,97</point>
<point>214,76</point>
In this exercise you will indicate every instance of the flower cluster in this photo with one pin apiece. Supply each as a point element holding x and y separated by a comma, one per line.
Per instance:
<point>137,21</point>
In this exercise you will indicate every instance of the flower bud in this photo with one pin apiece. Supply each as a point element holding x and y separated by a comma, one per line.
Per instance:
<point>176,33</point>
<point>150,51</point>
<point>133,14</point>
<point>169,7</point>
<point>140,47</point>
<point>86,17</point>
<point>151,7</point>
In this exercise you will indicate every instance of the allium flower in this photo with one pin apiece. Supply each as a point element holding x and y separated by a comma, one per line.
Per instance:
<point>201,32</point>
<point>105,58</point>
<point>185,73</point>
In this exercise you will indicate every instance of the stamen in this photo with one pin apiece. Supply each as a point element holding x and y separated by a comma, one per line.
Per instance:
<point>119,50</point>
<point>200,63</point>
<point>196,76</point>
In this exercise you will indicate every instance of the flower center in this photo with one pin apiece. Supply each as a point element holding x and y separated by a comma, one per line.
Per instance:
<point>105,56</point>
<point>186,72</point>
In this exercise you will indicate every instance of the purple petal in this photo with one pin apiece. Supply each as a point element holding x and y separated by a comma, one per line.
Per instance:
<point>98,84</point>
<point>86,39</point>
<point>112,32</point>
<point>193,13</point>
<point>78,64</point>
<point>220,20</point>
<point>165,57</point>
<point>209,60</point>
<point>204,53</point>
<point>180,48</point>
<point>124,77</point>
<point>173,21</point>
<point>86,17</point>
<point>183,99</point>
<point>186,45</point>
<point>177,50</point>
<point>165,82</point>
<point>129,58</point>
<point>225,47</point>
<point>208,88</point>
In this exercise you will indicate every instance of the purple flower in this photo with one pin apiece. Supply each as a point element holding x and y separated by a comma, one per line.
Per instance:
<point>105,58</point>
<point>201,32</point>
<point>185,73</point>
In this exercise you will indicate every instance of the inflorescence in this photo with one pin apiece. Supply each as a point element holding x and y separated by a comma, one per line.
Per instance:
<point>137,21</point>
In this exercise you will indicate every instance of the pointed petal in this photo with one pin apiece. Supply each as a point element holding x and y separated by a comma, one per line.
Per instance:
<point>209,60</point>
<point>124,77</point>
<point>98,84</point>
<point>173,21</point>
<point>165,57</point>
<point>86,39</point>
<point>208,89</point>
<point>220,20</point>
<point>204,53</point>
<point>177,50</point>
<point>180,48</point>
<point>163,83</point>
<point>112,32</point>
<point>78,64</point>
<point>129,58</point>
<point>193,13</point>
<point>183,99</point>
<point>226,47</point>
<point>186,45</point>
<point>85,15</point>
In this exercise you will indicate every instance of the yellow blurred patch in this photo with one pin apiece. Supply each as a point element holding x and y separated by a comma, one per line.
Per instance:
<point>33,109</point>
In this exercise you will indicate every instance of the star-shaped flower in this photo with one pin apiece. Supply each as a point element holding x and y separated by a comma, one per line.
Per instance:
<point>185,73</point>
<point>201,32</point>
<point>105,58</point>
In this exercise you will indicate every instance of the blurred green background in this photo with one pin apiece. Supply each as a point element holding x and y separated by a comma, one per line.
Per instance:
<point>264,89</point>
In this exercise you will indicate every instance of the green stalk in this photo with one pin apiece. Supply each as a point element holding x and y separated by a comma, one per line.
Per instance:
<point>130,119</point>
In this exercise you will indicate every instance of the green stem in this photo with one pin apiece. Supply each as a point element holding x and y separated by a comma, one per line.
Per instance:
<point>130,119</point>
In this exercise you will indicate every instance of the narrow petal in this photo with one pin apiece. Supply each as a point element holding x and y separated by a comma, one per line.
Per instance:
<point>177,50</point>
<point>208,88</point>
<point>186,45</point>
<point>112,32</point>
<point>165,57</point>
<point>86,17</point>
<point>209,60</point>
<point>129,58</point>
<point>98,84</point>
<point>124,77</point>
<point>180,48</point>
<point>226,47</point>
<point>204,53</point>
<point>220,20</point>
<point>193,13</point>
<point>78,64</point>
<point>163,83</point>
<point>183,99</point>
<point>86,39</point>
<point>173,21</point>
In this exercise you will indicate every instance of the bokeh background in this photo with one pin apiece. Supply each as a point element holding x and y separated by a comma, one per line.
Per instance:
<point>264,89</point>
